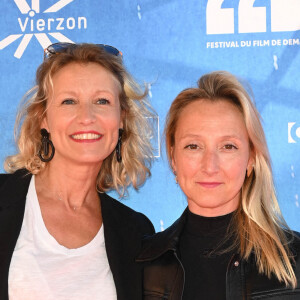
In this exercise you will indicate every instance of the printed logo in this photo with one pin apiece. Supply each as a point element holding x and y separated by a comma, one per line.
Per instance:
<point>251,18</point>
<point>293,132</point>
<point>41,27</point>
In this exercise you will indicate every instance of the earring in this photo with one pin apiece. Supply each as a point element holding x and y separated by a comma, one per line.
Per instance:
<point>44,150</point>
<point>119,144</point>
<point>176,179</point>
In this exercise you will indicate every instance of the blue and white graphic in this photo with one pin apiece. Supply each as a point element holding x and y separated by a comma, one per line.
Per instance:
<point>169,44</point>
<point>293,132</point>
<point>34,24</point>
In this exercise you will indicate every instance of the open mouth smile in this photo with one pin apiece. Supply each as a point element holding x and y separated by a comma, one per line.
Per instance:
<point>86,136</point>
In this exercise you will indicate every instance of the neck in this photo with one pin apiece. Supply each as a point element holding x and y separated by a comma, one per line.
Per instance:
<point>75,186</point>
<point>220,210</point>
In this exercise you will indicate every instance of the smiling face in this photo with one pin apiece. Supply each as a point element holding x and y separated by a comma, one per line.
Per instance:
<point>211,155</point>
<point>83,113</point>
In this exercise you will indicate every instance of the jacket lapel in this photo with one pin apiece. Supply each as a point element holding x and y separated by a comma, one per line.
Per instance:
<point>12,205</point>
<point>123,242</point>
<point>164,274</point>
<point>156,245</point>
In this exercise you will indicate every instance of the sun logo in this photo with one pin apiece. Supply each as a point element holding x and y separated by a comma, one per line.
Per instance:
<point>41,28</point>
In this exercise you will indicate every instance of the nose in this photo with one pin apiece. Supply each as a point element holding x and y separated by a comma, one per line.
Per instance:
<point>210,162</point>
<point>86,114</point>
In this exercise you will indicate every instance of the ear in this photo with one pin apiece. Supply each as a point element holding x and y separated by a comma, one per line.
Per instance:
<point>122,117</point>
<point>44,124</point>
<point>173,160</point>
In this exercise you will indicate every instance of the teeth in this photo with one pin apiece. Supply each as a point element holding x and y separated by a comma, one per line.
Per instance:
<point>86,136</point>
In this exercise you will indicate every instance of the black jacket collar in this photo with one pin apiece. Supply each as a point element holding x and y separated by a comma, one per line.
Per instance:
<point>154,246</point>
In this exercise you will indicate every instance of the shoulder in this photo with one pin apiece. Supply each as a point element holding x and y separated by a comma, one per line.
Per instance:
<point>108,201</point>
<point>260,284</point>
<point>3,178</point>
<point>113,211</point>
<point>156,245</point>
<point>293,238</point>
<point>295,249</point>
<point>19,174</point>
<point>296,241</point>
<point>14,187</point>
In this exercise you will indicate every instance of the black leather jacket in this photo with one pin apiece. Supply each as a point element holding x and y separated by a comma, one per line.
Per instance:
<point>164,273</point>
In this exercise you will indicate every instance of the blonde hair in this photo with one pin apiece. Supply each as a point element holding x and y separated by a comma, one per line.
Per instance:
<point>258,225</point>
<point>136,111</point>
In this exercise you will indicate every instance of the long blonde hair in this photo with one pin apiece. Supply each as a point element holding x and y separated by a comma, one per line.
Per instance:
<point>136,111</point>
<point>258,225</point>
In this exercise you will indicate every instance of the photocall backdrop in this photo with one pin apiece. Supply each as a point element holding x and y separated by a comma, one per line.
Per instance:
<point>169,44</point>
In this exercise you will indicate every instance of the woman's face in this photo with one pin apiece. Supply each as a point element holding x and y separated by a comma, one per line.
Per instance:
<point>83,113</point>
<point>211,156</point>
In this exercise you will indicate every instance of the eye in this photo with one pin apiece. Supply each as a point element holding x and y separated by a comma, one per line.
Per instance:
<point>68,101</point>
<point>229,147</point>
<point>102,101</point>
<point>191,147</point>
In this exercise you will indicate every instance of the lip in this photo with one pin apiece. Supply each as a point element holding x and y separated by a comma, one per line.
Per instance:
<point>209,185</point>
<point>90,136</point>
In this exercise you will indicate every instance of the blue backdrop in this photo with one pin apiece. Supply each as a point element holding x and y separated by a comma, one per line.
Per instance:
<point>169,44</point>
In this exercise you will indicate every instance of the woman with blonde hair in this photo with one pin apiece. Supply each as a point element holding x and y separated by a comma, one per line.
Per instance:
<point>232,241</point>
<point>83,131</point>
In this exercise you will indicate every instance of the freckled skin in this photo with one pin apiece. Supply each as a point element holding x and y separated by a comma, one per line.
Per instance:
<point>211,156</point>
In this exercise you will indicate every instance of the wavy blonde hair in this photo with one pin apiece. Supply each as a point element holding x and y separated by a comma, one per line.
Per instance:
<point>258,225</point>
<point>136,112</point>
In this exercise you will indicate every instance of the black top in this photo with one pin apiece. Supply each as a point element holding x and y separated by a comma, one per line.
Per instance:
<point>205,267</point>
<point>164,274</point>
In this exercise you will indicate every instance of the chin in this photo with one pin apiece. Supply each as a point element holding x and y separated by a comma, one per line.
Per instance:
<point>88,160</point>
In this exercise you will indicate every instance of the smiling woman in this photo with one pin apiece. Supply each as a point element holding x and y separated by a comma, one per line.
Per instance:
<point>83,131</point>
<point>231,242</point>
<point>83,114</point>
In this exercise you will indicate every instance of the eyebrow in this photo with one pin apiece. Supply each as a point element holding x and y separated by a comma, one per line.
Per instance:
<point>73,93</point>
<point>232,136</point>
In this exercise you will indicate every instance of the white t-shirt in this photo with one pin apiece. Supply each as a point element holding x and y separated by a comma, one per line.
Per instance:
<point>42,269</point>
